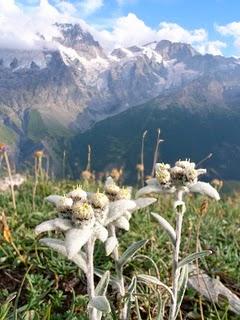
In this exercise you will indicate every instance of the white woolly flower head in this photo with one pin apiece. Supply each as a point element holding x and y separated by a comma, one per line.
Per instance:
<point>81,212</point>
<point>78,194</point>
<point>184,172</point>
<point>124,194</point>
<point>111,189</point>
<point>185,164</point>
<point>162,173</point>
<point>98,200</point>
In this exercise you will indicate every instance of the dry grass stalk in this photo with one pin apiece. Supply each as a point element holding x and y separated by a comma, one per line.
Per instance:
<point>142,157</point>
<point>3,151</point>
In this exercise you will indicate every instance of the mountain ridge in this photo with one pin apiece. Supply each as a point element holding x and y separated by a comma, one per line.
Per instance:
<point>73,84</point>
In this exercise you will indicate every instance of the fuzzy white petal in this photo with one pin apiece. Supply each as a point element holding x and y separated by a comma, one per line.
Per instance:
<point>59,246</point>
<point>100,232</point>
<point>122,223</point>
<point>144,202</point>
<point>76,238</point>
<point>127,215</point>
<point>54,224</point>
<point>205,189</point>
<point>56,199</point>
<point>110,245</point>
<point>152,188</point>
<point>152,182</point>
<point>118,208</point>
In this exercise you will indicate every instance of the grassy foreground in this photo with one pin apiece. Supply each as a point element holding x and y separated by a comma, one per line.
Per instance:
<point>37,283</point>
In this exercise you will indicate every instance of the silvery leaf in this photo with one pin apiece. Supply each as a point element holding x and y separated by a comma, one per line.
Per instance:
<point>54,224</point>
<point>59,246</point>
<point>194,256</point>
<point>100,232</point>
<point>110,245</point>
<point>117,209</point>
<point>76,238</point>
<point>113,280</point>
<point>166,226</point>
<point>100,303</point>
<point>101,288</point>
<point>204,188</point>
<point>182,286</point>
<point>131,250</point>
<point>153,280</point>
<point>122,223</point>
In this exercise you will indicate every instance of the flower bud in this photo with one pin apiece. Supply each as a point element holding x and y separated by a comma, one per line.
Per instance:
<point>98,200</point>
<point>124,194</point>
<point>162,173</point>
<point>82,211</point>
<point>77,194</point>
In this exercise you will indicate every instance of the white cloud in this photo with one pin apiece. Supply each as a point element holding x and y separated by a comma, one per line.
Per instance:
<point>90,6</point>
<point>65,7</point>
<point>130,30</point>
<point>212,47</point>
<point>124,2</point>
<point>20,25</point>
<point>231,29</point>
<point>176,33</point>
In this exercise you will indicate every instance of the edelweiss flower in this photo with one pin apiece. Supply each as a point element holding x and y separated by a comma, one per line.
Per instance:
<point>182,176</point>
<point>78,220</point>
<point>121,208</point>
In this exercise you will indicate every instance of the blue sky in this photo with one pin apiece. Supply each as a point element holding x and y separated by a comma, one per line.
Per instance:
<point>209,25</point>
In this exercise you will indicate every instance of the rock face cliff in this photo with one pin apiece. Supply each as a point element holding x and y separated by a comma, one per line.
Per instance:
<point>66,87</point>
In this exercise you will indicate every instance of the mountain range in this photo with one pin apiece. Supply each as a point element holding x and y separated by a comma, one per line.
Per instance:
<point>69,93</point>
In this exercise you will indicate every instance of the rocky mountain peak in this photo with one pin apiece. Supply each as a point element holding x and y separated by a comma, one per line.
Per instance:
<point>73,36</point>
<point>175,50</point>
